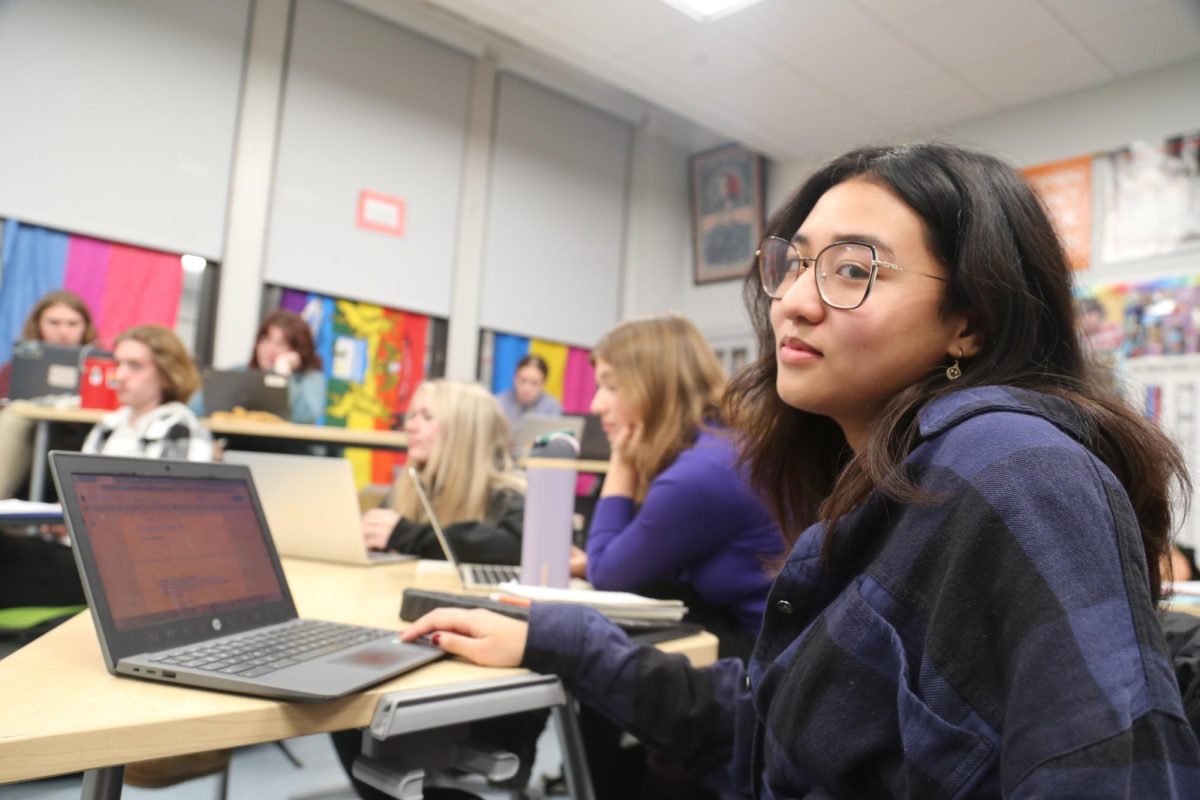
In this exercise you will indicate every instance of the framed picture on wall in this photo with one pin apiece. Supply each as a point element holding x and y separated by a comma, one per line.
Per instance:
<point>727,211</point>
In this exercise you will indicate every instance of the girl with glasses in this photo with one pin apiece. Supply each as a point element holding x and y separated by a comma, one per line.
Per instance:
<point>977,520</point>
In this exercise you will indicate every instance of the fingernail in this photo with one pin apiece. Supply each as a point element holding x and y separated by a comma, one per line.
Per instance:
<point>437,637</point>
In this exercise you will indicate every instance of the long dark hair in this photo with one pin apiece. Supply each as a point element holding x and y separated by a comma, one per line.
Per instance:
<point>1009,277</point>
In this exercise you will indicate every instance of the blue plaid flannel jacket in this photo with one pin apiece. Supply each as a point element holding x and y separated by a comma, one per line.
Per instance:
<point>998,643</point>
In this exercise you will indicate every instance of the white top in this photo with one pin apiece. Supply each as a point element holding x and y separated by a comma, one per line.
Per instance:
<point>168,431</point>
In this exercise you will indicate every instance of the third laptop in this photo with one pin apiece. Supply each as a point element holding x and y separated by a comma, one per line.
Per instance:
<point>311,505</point>
<point>473,576</point>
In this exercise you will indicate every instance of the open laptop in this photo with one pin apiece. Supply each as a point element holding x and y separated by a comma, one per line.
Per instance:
<point>250,389</point>
<point>40,369</point>
<point>594,444</point>
<point>311,505</point>
<point>185,585</point>
<point>533,427</point>
<point>472,576</point>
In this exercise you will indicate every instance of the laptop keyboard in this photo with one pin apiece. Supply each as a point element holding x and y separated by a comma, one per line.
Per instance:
<point>260,652</point>
<point>491,574</point>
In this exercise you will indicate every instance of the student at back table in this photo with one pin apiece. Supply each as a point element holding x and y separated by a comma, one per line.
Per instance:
<point>59,317</point>
<point>527,394</point>
<point>284,346</point>
<point>154,378</point>
<point>458,441</point>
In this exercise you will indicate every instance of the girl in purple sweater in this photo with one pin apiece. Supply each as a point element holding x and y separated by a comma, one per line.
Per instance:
<point>675,517</point>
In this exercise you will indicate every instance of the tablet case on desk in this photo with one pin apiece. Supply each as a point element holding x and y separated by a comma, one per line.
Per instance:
<point>97,383</point>
<point>418,602</point>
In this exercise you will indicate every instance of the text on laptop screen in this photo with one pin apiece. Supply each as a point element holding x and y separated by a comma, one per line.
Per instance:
<point>169,548</point>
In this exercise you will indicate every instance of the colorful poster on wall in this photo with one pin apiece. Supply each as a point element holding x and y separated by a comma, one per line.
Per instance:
<point>122,285</point>
<point>1151,196</point>
<point>375,360</point>
<point>1066,189</point>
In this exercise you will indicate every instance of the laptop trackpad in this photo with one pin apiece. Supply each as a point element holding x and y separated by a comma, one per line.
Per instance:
<point>375,657</point>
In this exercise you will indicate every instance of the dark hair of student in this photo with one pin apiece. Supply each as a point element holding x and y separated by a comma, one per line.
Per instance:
<point>532,360</point>
<point>32,328</point>
<point>1009,276</point>
<point>298,335</point>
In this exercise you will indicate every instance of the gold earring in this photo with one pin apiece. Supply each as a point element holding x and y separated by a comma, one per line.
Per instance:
<point>954,371</point>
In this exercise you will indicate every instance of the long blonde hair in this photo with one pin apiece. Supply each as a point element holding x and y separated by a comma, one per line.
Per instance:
<point>670,379</point>
<point>469,461</point>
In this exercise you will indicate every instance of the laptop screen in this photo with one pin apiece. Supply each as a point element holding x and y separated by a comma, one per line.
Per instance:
<point>169,548</point>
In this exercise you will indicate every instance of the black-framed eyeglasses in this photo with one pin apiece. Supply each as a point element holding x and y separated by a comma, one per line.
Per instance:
<point>845,270</point>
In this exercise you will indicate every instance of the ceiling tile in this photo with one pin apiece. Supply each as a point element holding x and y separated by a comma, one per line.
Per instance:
<point>1083,13</point>
<point>928,105</point>
<point>488,8</point>
<point>896,10</point>
<point>1166,34</point>
<point>775,90</point>
<point>1040,71</point>
<point>694,59</point>
<point>865,63</point>
<point>971,31</point>
<point>607,24</point>
<point>840,129</point>
<point>787,28</point>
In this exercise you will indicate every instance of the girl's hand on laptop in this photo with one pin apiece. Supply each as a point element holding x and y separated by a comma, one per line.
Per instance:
<point>483,637</point>
<point>378,524</point>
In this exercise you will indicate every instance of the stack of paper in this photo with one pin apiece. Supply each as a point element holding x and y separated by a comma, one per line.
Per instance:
<point>614,605</point>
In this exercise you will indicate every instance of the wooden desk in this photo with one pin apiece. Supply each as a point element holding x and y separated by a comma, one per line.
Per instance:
<point>595,467</point>
<point>316,434</point>
<point>45,416</point>
<point>63,712</point>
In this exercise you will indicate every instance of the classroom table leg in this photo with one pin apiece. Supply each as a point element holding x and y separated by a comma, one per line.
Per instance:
<point>570,740</point>
<point>37,471</point>
<point>103,783</point>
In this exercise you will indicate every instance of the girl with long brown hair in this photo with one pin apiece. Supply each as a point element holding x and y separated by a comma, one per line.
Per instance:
<point>675,517</point>
<point>968,609</point>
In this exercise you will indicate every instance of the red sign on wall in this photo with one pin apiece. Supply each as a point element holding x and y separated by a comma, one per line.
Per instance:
<point>381,212</point>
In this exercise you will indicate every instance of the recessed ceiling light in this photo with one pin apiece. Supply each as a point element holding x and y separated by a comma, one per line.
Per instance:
<point>708,10</point>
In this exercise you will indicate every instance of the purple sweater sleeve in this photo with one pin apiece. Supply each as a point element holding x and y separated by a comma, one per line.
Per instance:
<point>693,509</point>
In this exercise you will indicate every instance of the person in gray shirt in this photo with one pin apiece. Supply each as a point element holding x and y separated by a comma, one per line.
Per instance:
<point>527,394</point>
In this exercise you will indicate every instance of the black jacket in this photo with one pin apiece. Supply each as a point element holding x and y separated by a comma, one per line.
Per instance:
<point>496,539</point>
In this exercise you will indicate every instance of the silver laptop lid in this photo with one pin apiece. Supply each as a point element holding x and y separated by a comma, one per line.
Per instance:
<point>311,504</point>
<point>443,542</point>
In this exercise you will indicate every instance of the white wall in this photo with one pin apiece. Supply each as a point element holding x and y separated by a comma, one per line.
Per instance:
<point>556,216</point>
<point>1147,106</point>
<point>367,106</point>
<point>119,117</point>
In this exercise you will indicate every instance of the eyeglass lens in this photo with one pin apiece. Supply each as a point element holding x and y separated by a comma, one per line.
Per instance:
<point>843,270</point>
